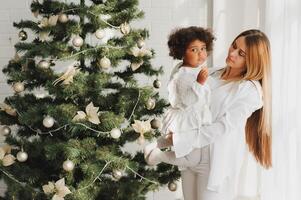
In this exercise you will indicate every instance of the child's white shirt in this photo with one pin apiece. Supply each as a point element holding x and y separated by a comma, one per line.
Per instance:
<point>189,102</point>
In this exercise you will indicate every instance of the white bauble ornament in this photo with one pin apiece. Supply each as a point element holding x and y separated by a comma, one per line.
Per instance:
<point>63,18</point>
<point>48,122</point>
<point>125,28</point>
<point>100,34</point>
<point>22,156</point>
<point>18,87</point>
<point>5,130</point>
<point>172,186</point>
<point>104,63</point>
<point>157,84</point>
<point>117,174</point>
<point>44,64</point>
<point>150,104</point>
<point>155,124</point>
<point>140,43</point>
<point>77,41</point>
<point>68,165</point>
<point>115,133</point>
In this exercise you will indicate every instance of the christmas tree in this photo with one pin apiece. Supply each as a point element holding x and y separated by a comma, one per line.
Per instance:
<point>77,103</point>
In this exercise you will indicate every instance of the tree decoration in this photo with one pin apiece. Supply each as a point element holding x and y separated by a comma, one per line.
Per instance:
<point>117,174</point>
<point>157,84</point>
<point>44,64</point>
<point>172,186</point>
<point>5,130</point>
<point>125,28</point>
<point>140,43</point>
<point>22,35</point>
<point>8,109</point>
<point>77,41</point>
<point>63,18</point>
<point>115,133</point>
<point>136,65</point>
<point>150,104</point>
<point>67,77</point>
<point>44,36</point>
<point>100,34</point>
<point>141,127</point>
<point>6,157</point>
<point>58,189</point>
<point>140,52</point>
<point>48,121</point>
<point>18,87</point>
<point>68,165</point>
<point>22,156</point>
<point>91,114</point>
<point>104,63</point>
<point>48,22</point>
<point>156,123</point>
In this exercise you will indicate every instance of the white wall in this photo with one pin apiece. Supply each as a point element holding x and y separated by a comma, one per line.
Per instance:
<point>161,16</point>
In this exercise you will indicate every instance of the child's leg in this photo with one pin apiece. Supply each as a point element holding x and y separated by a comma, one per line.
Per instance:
<point>192,159</point>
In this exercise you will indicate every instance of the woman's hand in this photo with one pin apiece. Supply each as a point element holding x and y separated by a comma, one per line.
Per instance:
<point>169,139</point>
<point>202,76</point>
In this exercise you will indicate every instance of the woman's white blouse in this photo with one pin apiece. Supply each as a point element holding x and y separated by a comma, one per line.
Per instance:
<point>189,102</point>
<point>231,105</point>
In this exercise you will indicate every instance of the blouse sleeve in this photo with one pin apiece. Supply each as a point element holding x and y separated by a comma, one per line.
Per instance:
<point>184,91</point>
<point>248,100</point>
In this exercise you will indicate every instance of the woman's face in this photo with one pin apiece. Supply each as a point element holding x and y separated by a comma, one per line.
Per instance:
<point>195,54</point>
<point>237,54</point>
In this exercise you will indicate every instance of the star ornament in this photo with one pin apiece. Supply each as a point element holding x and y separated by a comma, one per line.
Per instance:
<point>91,114</point>
<point>141,127</point>
<point>58,189</point>
<point>67,77</point>
<point>5,156</point>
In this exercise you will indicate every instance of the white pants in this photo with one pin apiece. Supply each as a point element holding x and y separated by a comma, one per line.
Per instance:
<point>195,175</point>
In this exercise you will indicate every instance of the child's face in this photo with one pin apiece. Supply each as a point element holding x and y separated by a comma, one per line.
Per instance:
<point>195,54</point>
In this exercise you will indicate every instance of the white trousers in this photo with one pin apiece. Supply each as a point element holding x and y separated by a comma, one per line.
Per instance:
<point>195,172</point>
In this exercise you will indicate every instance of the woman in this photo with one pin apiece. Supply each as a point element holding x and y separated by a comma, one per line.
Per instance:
<point>241,113</point>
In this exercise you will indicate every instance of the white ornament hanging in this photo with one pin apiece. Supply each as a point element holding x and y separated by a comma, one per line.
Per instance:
<point>150,104</point>
<point>115,133</point>
<point>68,165</point>
<point>100,34</point>
<point>22,156</point>
<point>77,41</point>
<point>5,130</point>
<point>44,64</point>
<point>63,18</point>
<point>105,63</point>
<point>48,122</point>
<point>117,174</point>
<point>18,87</point>
<point>172,186</point>
<point>125,28</point>
<point>140,43</point>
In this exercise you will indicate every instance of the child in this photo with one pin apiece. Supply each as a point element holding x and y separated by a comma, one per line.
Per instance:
<point>188,96</point>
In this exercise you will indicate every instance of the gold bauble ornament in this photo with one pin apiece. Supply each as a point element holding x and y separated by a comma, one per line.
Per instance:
<point>22,35</point>
<point>155,124</point>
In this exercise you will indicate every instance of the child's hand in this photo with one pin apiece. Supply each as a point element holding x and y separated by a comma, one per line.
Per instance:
<point>202,76</point>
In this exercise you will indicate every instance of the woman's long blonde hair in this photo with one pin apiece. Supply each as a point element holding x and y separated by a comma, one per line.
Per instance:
<point>258,67</point>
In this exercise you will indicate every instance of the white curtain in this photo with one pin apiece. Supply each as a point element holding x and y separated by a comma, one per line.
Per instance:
<point>283,26</point>
<point>281,21</point>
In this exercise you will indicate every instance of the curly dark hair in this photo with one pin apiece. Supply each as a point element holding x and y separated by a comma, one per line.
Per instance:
<point>180,38</point>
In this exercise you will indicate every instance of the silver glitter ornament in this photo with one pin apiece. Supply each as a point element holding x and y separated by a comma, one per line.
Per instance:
<point>77,41</point>
<point>104,63</point>
<point>115,133</point>
<point>18,87</point>
<point>150,104</point>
